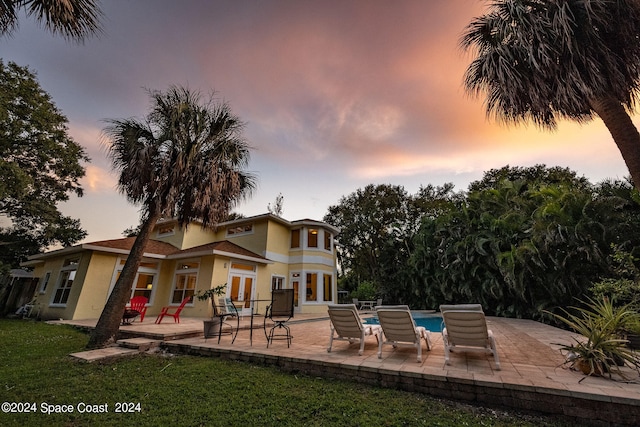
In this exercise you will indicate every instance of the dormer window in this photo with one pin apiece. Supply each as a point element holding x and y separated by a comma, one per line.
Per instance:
<point>236,230</point>
<point>166,230</point>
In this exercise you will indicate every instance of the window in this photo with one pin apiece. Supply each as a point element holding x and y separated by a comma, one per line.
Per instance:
<point>240,229</point>
<point>240,266</point>
<point>295,238</point>
<point>143,285</point>
<point>319,287</point>
<point>327,240</point>
<point>328,294</point>
<point>185,283</point>
<point>312,238</point>
<point>65,282</point>
<point>277,282</point>
<point>312,287</point>
<point>166,230</point>
<point>145,280</point>
<point>45,282</point>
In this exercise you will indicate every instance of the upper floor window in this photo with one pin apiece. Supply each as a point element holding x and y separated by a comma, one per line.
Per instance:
<point>312,238</point>
<point>240,229</point>
<point>327,240</point>
<point>295,238</point>
<point>166,230</point>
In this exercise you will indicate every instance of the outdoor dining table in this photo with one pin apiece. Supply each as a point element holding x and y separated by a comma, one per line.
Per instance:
<point>367,305</point>
<point>253,313</point>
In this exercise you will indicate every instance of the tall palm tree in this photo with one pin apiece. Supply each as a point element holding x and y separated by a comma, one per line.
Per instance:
<point>186,161</point>
<point>73,19</point>
<point>544,60</point>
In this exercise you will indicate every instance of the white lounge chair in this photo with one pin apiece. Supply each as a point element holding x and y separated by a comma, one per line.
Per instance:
<point>399,329</point>
<point>347,326</point>
<point>466,330</point>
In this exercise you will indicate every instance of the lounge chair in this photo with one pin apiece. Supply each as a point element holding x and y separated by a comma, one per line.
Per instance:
<point>399,329</point>
<point>175,314</point>
<point>466,330</point>
<point>346,323</point>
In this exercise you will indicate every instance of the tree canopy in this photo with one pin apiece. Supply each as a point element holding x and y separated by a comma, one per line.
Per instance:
<point>40,166</point>
<point>521,240</point>
<point>542,61</point>
<point>73,19</point>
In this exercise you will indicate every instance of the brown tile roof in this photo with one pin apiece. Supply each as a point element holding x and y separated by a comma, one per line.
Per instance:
<point>152,247</point>
<point>165,249</point>
<point>223,246</point>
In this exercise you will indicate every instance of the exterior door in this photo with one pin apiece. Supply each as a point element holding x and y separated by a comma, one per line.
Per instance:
<point>242,289</point>
<point>295,284</point>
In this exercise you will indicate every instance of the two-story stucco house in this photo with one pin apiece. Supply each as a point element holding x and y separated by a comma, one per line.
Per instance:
<point>251,255</point>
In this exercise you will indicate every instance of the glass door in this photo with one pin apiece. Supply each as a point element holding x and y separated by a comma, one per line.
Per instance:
<point>295,284</point>
<point>242,290</point>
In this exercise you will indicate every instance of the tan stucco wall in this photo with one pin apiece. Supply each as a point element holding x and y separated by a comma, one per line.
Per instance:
<point>47,312</point>
<point>196,236</point>
<point>279,239</point>
<point>96,286</point>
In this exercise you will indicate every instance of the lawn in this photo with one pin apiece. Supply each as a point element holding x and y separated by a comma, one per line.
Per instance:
<point>37,375</point>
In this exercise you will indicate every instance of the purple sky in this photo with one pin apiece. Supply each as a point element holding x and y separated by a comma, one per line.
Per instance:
<point>336,95</point>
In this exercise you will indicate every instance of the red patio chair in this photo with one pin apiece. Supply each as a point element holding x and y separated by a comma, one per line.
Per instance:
<point>139,304</point>
<point>176,314</point>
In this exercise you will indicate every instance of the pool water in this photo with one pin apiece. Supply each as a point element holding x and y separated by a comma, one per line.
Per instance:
<point>431,322</point>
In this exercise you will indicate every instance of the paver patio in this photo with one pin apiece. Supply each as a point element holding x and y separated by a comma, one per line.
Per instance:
<point>531,378</point>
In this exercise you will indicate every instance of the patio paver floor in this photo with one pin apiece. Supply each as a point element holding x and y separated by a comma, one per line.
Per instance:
<point>529,356</point>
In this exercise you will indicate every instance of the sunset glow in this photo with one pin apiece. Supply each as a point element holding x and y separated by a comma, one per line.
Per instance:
<point>335,95</point>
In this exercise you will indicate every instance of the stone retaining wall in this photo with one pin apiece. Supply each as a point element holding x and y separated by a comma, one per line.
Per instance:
<point>584,408</point>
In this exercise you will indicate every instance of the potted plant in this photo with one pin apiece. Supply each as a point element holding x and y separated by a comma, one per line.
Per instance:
<point>212,326</point>
<point>601,349</point>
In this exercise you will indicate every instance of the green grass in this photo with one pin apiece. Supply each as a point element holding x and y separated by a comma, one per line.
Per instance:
<point>193,391</point>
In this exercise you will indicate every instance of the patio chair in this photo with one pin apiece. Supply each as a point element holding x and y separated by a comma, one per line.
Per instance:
<point>280,311</point>
<point>175,314</point>
<point>139,304</point>
<point>399,329</point>
<point>224,310</point>
<point>465,329</point>
<point>346,323</point>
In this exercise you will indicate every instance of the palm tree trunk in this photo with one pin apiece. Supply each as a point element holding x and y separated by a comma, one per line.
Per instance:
<point>106,331</point>
<point>623,131</point>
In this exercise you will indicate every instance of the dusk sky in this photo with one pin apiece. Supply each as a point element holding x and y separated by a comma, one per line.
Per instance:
<point>335,94</point>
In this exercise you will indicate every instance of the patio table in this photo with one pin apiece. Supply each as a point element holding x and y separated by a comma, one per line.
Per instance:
<point>253,313</point>
<point>368,305</point>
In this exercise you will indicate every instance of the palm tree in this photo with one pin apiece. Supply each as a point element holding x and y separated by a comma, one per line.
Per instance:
<point>560,59</point>
<point>73,19</point>
<point>185,161</point>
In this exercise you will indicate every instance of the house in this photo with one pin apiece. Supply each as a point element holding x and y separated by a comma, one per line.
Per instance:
<point>251,255</point>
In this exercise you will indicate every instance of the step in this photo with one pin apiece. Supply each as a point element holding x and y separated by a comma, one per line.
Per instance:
<point>140,343</point>
<point>103,353</point>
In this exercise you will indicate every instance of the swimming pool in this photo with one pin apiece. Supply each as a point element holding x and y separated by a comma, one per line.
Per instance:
<point>432,322</point>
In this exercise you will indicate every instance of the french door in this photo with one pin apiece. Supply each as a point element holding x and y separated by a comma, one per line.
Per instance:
<point>242,288</point>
